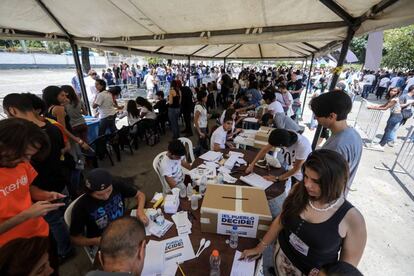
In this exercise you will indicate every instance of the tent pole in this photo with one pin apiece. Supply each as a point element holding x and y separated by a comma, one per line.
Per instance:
<point>189,70</point>
<point>225,65</point>
<point>307,84</point>
<point>80,75</point>
<point>335,76</point>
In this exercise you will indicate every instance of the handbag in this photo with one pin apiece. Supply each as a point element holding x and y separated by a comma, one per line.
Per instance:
<point>407,113</point>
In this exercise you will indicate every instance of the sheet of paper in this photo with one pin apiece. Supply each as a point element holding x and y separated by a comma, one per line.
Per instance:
<point>154,262</point>
<point>158,230</point>
<point>211,156</point>
<point>178,249</point>
<point>168,269</point>
<point>242,268</point>
<point>246,223</point>
<point>236,153</point>
<point>256,180</point>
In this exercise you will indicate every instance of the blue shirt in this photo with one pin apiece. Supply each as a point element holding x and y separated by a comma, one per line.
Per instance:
<point>254,97</point>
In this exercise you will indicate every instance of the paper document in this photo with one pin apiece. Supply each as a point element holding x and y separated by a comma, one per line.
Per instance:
<point>154,261</point>
<point>211,156</point>
<point>182,223</point>
<point>236,153</point>
<point>243,267</point>
<point>256,180</point>
<point>178,249</point>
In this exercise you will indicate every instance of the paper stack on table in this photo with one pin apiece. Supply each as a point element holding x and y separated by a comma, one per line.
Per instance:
<point>256,180</point>
<point>171,204</point>
<point>242,267</point>
<point>203,170</point>
<point>211,156</point>
<point>182,223</point>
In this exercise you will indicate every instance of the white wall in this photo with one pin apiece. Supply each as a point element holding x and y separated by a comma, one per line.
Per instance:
<point>44,59</point>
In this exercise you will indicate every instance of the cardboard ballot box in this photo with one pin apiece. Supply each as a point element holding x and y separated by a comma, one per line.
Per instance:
<point>262,136</point>
<point>227,205</point>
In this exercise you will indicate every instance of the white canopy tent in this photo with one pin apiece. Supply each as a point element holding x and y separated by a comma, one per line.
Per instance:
<point>237,29</point>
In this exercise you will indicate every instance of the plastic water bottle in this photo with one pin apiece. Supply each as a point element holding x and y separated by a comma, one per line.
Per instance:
<point>203,184</point>
<point>194,202</point>
<point>234,237</point>
<point>215,263</point>
<point>189,191</point>
<point>183,190</point>
<point>220,178</point>
<point>160,217</point>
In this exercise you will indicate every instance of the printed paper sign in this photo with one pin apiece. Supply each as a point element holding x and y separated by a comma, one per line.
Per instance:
<point>178,249</point>
<point>246,224</point>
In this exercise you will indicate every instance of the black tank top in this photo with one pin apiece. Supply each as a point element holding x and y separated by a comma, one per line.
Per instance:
<point>322,239</point>
<point>176,101</point>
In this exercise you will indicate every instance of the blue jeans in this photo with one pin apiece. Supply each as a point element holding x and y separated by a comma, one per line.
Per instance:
<point>59,231</point>
<point>365,90</point>
<point>105,123</point>
<point>174,116</point>
<point>391,128</point>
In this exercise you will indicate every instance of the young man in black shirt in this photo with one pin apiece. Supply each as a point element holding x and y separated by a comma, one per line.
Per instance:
<point>50,170</point>
<point>102,204</point>
<point>295,88</point>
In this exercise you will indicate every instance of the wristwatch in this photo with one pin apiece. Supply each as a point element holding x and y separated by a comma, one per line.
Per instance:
<point>277,178</point>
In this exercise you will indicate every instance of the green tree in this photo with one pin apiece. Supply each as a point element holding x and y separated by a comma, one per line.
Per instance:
<point>57,47</point>
<point>358,47</point>
<point>153,60</point>
<point>399,48</point>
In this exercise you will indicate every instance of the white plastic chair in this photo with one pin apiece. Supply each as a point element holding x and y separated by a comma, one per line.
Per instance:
<point>68,213</point>
<point>90,250</point>
<point>188,144</point>
<point>157,168</point>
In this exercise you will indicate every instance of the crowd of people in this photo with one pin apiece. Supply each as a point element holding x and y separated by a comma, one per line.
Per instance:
<point>315,228</point>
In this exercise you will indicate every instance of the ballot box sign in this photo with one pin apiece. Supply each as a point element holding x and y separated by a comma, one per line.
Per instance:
<point>246,224</point>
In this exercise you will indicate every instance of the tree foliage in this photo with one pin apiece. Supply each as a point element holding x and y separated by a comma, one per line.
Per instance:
<point>57,47</point>
<point>358,47</point>
<point>399,48</point>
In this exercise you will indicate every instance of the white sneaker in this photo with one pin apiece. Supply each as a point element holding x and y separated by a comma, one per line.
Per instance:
<point>377,147</point>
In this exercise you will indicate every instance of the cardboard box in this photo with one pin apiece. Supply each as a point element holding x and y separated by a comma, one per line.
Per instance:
<point>227,205</point>
<point>262,136</point>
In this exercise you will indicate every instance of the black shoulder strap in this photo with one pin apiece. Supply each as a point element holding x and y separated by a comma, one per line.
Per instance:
<point>342,211</point>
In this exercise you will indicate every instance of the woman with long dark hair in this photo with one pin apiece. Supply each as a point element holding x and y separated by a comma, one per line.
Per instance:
<point>317,223</point>
<point>133,112</point>
<point>75,109</point>
<point>394,121</point>
<point>55,99</point>
<point>146,109</point>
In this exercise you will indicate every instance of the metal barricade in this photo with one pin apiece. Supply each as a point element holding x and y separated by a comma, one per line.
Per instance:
<point>367,121</point>
<point>405,157</point>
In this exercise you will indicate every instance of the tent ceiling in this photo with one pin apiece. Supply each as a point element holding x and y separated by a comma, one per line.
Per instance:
<point>203,29</point>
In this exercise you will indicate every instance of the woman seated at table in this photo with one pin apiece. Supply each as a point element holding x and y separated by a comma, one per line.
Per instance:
<point>219,139</point>
<point>146,109</point>
<point>133,112</point>
<point>102,203</point>
<point>295,148</point>
<point>317,223</point>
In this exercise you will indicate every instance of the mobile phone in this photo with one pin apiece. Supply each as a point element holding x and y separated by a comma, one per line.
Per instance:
<point>59,200</point>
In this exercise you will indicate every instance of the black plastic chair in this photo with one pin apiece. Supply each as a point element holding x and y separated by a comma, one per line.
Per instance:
<point>100,146</point>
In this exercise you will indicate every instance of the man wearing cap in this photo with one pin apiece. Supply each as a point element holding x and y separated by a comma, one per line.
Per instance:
<point>102,203</point>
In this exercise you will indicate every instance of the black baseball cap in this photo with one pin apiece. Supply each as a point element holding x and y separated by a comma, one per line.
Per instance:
<point>98,180</point>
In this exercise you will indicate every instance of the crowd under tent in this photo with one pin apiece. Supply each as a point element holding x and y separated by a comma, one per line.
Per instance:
<point>199,29</point>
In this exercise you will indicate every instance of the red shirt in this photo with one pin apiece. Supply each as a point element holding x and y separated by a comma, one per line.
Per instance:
<point>15,198</point>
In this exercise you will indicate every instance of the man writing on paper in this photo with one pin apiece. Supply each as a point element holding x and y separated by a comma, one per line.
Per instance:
<point>295,148</point>
<point>102,203</point>
<point>122,248</point>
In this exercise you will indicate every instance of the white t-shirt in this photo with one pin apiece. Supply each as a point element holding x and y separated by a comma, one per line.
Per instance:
<point>384,82</point>
<point>202,119</point>
<point>149,81</point>
<point>90,89</point>
<point>369,79</point>
<point>172,168</point>
<point>275,107</point>
<point>298,151</point>
<point>106,104</point>
<point>219,136</point>
<point>281,99</point>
